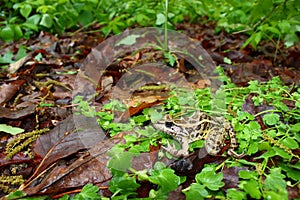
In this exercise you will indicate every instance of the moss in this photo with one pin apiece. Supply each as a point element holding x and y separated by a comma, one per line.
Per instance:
<point>276,143</point>
<point>6,183</point>
<point>22,141</point>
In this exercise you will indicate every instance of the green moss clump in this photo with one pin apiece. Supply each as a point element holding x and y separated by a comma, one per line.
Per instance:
<point>22,141</point>
<point>6,183</point>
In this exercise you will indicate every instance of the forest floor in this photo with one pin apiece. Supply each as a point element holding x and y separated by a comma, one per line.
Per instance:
<point>36,95</point>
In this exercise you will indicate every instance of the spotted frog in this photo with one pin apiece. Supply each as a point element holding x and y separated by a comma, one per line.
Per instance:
<point>189,128</point>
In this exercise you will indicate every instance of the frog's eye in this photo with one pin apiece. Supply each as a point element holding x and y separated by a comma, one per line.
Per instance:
<point>169,124</point>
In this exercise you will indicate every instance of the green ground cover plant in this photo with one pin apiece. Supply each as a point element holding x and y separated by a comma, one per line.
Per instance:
<point>270,165</point>
<point>268,19</point>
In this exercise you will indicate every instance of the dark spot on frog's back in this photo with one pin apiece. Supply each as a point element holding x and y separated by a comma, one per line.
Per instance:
<point>169,124</point>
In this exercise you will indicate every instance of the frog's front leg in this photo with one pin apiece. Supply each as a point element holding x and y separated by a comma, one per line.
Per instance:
<point>184,151</point>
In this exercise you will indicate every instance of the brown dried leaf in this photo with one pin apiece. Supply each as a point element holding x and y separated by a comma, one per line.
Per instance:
<point>16,114</point>
<point>89,168</point>
<point>7,91</point>
<point>65,140</point>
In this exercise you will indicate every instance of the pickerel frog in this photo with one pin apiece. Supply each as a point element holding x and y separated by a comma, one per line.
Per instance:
<point>200,125</point>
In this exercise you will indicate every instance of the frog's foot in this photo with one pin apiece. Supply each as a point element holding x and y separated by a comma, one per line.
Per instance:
<point>234,154</point>
<point>175,152</point>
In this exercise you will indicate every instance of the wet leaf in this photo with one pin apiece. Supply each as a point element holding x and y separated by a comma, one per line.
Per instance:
<point>271,119</point>
<point>11,130</point>
<point>290,143</point>
<point>88,192</point>
<point>210,179</point>
<point>16,114</point>
<point>275,180</point>
<point>129,40</point>
<point>160,19</point>
<point>252,188</point>
<point>235,194</point>
<point>195,191</point>
<point>26,10</point>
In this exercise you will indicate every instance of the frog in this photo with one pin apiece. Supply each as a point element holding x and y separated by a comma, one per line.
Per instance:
<point>190,128</point>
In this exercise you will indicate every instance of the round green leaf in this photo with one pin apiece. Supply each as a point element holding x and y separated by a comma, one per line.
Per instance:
<point>234,194</point>
<point>253,148</point>
<point>26,10</point>
<point>86,17</point>
<point>252,188</point>
<point>34,19</point>
<point>160,19</point>
<point>271,119</point>
<point>7,34</point>
<point>195,191</point>
<point>210,179</point>
<point>46,21</point>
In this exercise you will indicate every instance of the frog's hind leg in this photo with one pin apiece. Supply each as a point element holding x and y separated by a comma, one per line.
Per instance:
<point>233,141</point>
<point>214,142</point>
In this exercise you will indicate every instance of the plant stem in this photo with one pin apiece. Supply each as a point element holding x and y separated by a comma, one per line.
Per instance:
<point>166,25</point>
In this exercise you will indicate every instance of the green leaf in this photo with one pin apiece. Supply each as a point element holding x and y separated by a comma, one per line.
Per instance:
<point>285,26</point>
<point>244,116</point>
<point>295,127</point>
<point>34,19</point>
<point>252,130</point>
<point>21,53</point>
<point>210,179</point>
<point>17,31</point>
<point>248,174</point>
<point>142,19</point>
<point>290,39</point>
<point>11,130</point>
<point>273,30</point>
<point>89,191</point>
<point>271,119</point>
<point>7,33</point>
<point>171,58</point>
<point>154,115</point>
<point>290,143</point>
<point>275,195</point>
<point>46,21</point>
<point>251,187</point>
<point>129,40</point>
<point>195,191</point>
<point>120,160</point>
<point>86,17</point>
<point>15,195</point>
<point>275,180</point>
<point>253,148</point>
<point>235,194</point>
<point>7,57</point>
<point>291,171</point>
<point>160,19</point>
<point>26,10</point>
<point>282,153</point>
<point>124,184</point>
<point>165,178</point>
<point>227,61</point>
<point>64,197</point>
<point>38,57</point>
<point>257,38</point>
